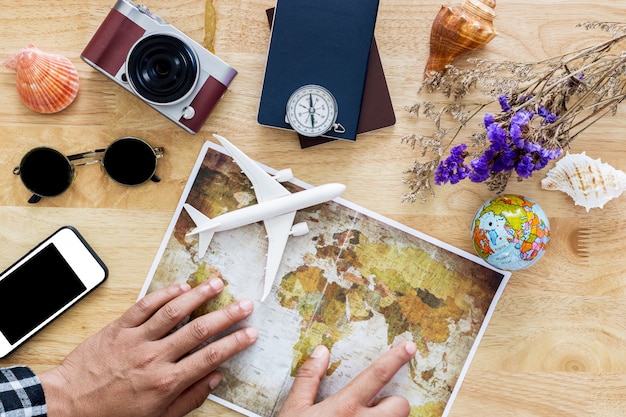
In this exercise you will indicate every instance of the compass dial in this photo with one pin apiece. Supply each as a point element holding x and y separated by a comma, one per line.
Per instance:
<point>311,110</point>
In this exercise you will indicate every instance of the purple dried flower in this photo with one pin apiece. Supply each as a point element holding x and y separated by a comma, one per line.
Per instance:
<point>497,136</point>
<point>504,103</point>
<point>453,168</point>
<point>504,161</point>
<point>488,119</point>
<point>525,166</point>
<point>481,170</point>
<point>522,117</point>
<point>547,116</point>
<point>509,149</point>
<point>551,118</point>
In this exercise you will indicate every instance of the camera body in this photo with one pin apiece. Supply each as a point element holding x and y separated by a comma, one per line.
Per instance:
<point>159,64</point>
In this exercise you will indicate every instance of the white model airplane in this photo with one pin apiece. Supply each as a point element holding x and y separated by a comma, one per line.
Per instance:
<point>276,208</point>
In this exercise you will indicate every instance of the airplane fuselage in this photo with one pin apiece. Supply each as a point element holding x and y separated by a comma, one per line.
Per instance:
<point>266,210</point>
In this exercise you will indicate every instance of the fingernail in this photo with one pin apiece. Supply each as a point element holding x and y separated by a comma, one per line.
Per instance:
<point>216,283</point>
<point>246,305</point>
<point>215,380</point>
<point>252,333</point>
<point>185,287</point>
<point>411,348</point>
<point>319,352</point>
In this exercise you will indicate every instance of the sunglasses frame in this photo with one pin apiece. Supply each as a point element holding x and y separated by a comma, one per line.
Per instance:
<point>97,157</point>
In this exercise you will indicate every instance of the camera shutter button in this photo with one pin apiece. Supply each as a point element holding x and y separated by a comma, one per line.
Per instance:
<point>189,112</point>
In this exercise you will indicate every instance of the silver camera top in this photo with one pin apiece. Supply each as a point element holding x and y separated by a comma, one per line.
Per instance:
<point>130,9</point>
<point>143,9</point>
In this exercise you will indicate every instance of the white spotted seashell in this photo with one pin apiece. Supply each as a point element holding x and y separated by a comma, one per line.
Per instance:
<point>46,83</point>
<point>588,181</point>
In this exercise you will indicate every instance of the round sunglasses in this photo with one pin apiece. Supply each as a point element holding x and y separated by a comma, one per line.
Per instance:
<point>47,172</point>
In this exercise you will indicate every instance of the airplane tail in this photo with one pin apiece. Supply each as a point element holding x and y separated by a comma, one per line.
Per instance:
<point>204,237</point>
<point>196,215</point>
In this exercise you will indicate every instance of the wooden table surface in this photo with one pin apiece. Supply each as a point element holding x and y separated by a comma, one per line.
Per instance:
<point>556,345</point>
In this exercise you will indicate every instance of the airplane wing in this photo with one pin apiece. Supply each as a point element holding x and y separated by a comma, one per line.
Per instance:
<point>204,240</point>
<point>265,187</point>
<point>278,230</point>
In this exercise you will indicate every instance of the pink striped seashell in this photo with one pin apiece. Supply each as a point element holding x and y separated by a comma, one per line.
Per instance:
<point>46,83</point>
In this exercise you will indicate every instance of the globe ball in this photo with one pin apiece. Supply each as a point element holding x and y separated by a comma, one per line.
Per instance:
<point>510,232</point>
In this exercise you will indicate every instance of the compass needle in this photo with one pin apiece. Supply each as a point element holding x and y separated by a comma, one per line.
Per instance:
<point>311,110</point>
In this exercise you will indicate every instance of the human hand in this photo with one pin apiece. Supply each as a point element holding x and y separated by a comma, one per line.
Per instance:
<point>136,367</point>
<point>358,398</point>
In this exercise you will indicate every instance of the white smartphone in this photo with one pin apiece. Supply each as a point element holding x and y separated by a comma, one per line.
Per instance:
<point>44,283</point>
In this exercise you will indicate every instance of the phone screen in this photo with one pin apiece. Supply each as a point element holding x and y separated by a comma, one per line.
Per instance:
<point>35,291</point>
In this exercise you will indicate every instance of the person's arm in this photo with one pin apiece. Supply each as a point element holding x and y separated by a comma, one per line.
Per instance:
<point>21,392</point>
<point>136,366</point>
<point>358,398</point>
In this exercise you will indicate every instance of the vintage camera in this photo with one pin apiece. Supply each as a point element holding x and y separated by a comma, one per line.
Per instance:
<point>159,64</point>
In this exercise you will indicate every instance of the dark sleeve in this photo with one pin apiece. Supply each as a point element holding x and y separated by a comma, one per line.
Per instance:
<point>21,393</point>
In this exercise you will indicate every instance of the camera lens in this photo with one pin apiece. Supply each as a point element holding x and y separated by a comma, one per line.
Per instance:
<point>162,69</point>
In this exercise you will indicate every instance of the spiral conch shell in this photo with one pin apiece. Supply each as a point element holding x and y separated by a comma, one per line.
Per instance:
<point>588,181</point>
<point>458,29</point>
<point>46,83</point>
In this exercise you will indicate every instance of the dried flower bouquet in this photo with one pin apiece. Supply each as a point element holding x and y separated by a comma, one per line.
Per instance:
<point>543,107</point>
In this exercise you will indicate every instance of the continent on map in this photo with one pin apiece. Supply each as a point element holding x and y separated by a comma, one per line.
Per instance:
<point>393,288</point>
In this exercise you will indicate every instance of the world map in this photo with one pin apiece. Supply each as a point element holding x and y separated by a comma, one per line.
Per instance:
<point>356,283</point>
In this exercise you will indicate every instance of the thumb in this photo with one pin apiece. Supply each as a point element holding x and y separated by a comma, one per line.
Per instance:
<point>307,382</point>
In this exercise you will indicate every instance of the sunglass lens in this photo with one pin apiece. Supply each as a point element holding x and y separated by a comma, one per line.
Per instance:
<point>46,172</point>
<point>129,161</point>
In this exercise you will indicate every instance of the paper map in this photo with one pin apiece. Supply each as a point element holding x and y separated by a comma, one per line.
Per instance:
<point>357,282</point>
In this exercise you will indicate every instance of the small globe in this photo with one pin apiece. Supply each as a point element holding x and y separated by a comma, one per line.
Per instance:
<point>510,232</point>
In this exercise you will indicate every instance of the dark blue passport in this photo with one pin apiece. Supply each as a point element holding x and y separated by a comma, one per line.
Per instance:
<point>323,42</point>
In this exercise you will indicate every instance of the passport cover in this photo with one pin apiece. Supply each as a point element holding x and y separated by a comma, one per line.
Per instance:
<point>326,42</point>
<point>376,106</point>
